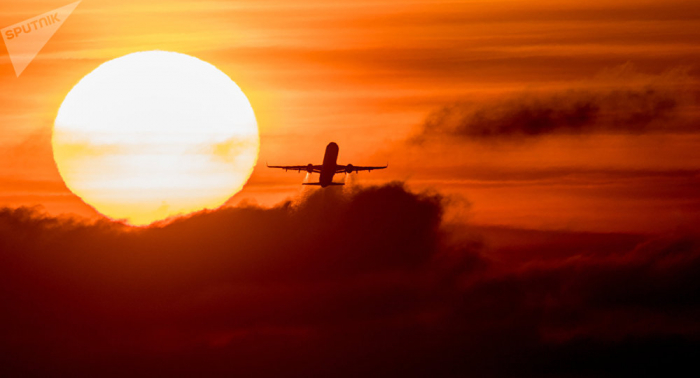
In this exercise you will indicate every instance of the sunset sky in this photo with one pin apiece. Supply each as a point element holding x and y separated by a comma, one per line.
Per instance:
<point>368,75</point>
<point>561,139</point>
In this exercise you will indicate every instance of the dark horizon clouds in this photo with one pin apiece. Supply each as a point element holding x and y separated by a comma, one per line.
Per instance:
<point>371,281</point>
<point>628,103</point>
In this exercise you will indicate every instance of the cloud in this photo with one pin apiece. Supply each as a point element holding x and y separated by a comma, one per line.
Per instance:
<point>366,282</point>
<point>620,101</point>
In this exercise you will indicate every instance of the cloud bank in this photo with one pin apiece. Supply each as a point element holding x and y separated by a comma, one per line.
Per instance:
<point>628,104</point>
<point>367,282</point>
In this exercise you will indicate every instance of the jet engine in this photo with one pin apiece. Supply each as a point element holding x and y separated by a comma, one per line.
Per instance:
<point>310,168</point>
<point>349,168</point>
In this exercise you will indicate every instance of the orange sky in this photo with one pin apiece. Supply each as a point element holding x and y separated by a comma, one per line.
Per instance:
<point>367,74</point>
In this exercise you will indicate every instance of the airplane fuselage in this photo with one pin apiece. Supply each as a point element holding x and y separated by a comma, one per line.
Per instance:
<point>330,161</point>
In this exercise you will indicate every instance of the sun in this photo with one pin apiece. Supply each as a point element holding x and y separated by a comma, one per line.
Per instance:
<point>155,134</point>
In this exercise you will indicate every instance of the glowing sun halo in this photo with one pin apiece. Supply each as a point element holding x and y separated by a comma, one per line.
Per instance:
<point>155,134</point>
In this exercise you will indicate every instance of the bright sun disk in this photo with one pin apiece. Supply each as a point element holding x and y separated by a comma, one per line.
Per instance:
<point>155,134</point>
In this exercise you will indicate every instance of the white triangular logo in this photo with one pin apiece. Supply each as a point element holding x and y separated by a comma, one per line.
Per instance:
<point>25,39</point>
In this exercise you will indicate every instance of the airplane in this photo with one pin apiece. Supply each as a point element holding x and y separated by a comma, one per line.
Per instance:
<point>328,169</point>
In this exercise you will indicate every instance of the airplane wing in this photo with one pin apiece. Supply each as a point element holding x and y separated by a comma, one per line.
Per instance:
<point>309,167</point>
<point>355,168</point>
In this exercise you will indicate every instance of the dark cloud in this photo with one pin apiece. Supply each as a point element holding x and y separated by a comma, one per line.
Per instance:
<point>367,282</point>
<point>661,105</point>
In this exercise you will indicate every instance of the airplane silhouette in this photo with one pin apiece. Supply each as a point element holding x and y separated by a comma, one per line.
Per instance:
<point>328,169</point>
